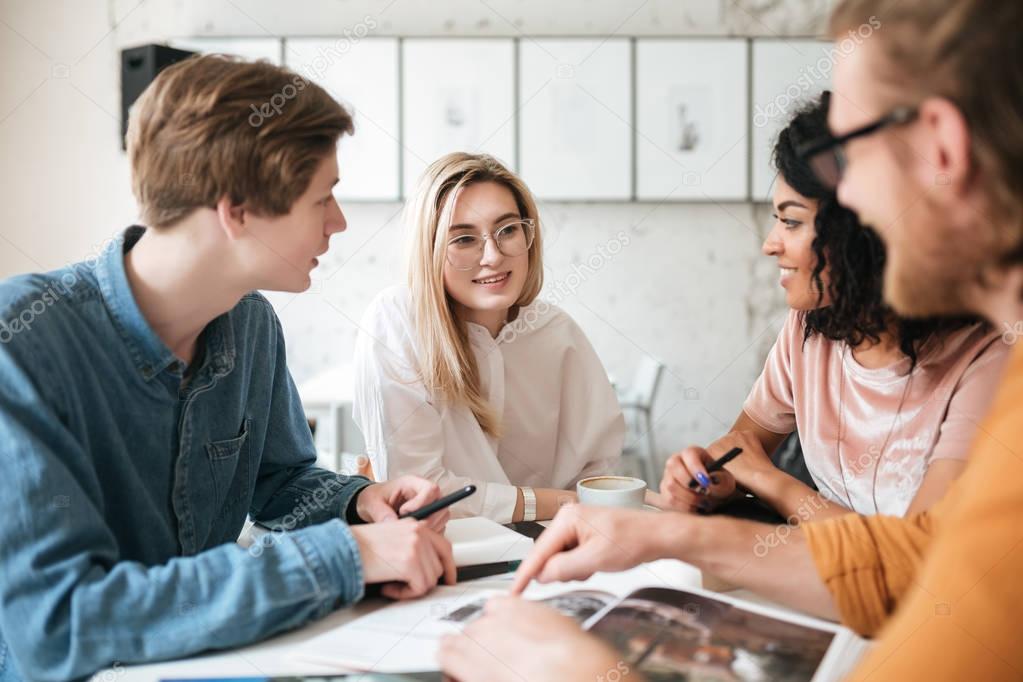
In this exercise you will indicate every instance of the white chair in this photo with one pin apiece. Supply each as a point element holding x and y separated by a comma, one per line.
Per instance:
<point>329,394</point>
<point>637,401</point>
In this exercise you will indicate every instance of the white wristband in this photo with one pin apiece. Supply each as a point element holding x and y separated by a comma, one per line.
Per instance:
<point>528,504</point>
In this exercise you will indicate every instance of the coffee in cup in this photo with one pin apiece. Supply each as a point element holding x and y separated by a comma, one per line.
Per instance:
<point>612,491</point>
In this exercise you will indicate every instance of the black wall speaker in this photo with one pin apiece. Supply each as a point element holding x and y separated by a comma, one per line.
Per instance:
<point>139,66</point>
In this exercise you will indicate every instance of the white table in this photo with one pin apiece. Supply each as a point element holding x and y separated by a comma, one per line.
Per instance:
<point>270,657</point>
<point>264,659</point>
<point>273,656</point>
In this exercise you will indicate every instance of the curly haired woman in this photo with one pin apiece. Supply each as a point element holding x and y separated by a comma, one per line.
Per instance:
<point>885,407</point>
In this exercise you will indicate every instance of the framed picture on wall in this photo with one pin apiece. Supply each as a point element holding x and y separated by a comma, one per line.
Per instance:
<point>786,74</point>
<point>458,95</point>
<point>575,118</point>
<point>246,48</point>
<point>691,133</point>
<point>362,75</point>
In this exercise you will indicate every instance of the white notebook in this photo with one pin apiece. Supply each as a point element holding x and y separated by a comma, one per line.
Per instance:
<point>478,540</point>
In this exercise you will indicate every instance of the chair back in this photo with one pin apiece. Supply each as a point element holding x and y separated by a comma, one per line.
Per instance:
<point>645,382</point>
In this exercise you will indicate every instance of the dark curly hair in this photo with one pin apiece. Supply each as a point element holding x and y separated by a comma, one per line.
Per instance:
<point>852,253</point>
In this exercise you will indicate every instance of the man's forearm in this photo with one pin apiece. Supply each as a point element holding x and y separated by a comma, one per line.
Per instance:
<point>220,598</point>
<point>771,560</point>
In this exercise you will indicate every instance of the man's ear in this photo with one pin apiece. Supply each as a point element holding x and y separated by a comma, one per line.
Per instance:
<point>949,148</point>
<point>232,217</point>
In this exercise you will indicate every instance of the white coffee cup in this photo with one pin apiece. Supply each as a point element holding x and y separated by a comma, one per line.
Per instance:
<point>612,491</point>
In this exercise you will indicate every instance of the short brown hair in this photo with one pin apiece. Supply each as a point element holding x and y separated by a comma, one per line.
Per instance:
<point>214,125</point>
<point>969,52</point>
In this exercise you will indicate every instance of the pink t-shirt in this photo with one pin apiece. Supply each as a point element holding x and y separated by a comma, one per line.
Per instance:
<point>807,388</point>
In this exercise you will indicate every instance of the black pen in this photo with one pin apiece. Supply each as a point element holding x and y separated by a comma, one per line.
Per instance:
<point>717,465</point>
<point>442,503</point>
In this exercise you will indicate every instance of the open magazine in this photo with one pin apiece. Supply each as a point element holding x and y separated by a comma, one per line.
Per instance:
<point>672,634</point>
<point>666,633</point>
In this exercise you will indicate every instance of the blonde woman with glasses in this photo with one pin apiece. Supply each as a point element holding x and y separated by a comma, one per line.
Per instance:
<point>464,376</point>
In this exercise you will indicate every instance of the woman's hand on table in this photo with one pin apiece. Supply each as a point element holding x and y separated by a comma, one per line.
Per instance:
<point>691,465</point>
<point>517,640</point>
<point>749,469</point>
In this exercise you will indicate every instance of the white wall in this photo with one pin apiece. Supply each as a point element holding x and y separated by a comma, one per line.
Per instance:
<point>690,288</point>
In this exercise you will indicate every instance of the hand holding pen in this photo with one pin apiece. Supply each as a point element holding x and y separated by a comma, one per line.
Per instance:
<point>702,480</point>
<point>694,481</point>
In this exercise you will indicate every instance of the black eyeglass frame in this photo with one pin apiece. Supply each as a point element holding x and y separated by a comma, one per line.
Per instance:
<point>832,143</point>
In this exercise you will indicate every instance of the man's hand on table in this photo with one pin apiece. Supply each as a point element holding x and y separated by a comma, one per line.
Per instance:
<point>582,540</point>
<point>409,556</point>
<point>517,640</point>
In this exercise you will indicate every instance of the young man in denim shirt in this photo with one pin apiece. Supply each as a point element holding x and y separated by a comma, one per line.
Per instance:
<point>146,408</point>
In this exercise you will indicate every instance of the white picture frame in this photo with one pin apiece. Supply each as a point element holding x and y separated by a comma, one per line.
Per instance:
<point>363,76</point>
<point>692,103</point>
<point>575,120</point>
<point>457,95</point>
<point>786,74</point>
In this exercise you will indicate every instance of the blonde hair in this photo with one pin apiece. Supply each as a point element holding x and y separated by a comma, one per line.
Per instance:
<point>969,52</point>
<point>448,365</point>
<point>214,125</point>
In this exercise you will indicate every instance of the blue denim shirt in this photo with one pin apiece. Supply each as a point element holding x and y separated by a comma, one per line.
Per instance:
<point>127,482</point>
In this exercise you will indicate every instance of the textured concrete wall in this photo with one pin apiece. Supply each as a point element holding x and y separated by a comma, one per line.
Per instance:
<point>690,288</point>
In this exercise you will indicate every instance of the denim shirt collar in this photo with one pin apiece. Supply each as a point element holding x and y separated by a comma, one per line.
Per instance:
<point>149,353</point>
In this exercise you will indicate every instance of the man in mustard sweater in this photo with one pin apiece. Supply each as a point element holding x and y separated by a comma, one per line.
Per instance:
<point>927,147</point>
<point>954,245</point>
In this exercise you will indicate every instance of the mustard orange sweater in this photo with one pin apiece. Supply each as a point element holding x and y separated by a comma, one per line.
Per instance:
<point>955,573</point>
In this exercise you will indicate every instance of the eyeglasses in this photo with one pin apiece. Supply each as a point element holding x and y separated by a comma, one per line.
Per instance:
<point>512,239</point>
<point>826,155</point>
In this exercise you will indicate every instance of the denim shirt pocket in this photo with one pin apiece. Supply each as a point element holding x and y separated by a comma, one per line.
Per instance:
<point>229,470</point>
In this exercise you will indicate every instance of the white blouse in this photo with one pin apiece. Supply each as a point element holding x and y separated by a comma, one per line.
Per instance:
<point>560,418</point>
